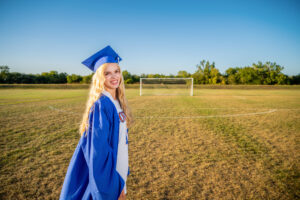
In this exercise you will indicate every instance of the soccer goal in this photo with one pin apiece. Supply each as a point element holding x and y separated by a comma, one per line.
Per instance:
<point>166,86</point>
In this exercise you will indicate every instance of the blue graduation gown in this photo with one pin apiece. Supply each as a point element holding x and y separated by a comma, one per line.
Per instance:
<point>92,170</point>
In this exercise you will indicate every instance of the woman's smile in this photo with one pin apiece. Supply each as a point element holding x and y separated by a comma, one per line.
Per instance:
<point>114,82</point>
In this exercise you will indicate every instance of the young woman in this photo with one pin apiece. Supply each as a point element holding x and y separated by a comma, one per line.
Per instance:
<point>99,168</point>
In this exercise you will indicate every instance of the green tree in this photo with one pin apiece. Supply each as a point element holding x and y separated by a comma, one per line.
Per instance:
<point>294,79</point>
<point>281,79</point>
<point>87,79</point>
<point>183,74</point>
<point>232,75</point>
<point>74,78</point>
<point>15,77</point>
<point>126,75</point>
<point>215,76</point>
<point>128,81</point>
<point>206,73</point>
<point>4,74</point>
<point>268,73</point>
<point>248,75</point>
<point>62,78</point>
<point>135,78</point>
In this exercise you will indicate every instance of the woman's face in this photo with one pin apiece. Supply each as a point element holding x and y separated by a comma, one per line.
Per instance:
<point>112,76</point>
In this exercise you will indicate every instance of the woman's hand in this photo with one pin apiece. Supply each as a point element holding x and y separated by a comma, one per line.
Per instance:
<point>122,195</point>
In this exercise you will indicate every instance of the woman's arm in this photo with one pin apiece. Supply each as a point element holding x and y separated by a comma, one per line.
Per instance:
<point>106,182</point>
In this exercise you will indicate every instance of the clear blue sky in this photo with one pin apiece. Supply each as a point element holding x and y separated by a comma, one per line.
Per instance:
<point>151,36</point>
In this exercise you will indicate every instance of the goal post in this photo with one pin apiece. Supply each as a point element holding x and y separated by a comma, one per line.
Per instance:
<point>166,86</point>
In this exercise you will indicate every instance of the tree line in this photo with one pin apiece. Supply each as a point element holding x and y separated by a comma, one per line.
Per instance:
<point>268,73</point>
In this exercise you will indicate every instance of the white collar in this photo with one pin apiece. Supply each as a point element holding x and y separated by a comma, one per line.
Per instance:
<point>109,96</point>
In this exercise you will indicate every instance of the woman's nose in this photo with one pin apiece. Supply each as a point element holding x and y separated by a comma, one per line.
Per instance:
<point>114,76</point>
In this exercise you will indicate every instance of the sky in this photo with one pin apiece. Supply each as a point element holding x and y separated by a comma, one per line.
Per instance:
<point>152,36</point>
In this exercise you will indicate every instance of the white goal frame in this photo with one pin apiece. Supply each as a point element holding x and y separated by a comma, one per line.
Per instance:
<point>192,85</point>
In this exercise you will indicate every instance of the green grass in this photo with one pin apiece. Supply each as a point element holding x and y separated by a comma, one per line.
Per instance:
<point>234,157</point>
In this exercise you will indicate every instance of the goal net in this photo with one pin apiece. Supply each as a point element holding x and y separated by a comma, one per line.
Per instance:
<point>166,86</point>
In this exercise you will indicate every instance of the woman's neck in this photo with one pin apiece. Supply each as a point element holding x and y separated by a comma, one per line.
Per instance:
<point>112,92</point>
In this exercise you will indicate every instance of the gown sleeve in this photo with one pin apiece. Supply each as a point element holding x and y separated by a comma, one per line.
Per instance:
<point>127,143</point>
<point>104,181</point>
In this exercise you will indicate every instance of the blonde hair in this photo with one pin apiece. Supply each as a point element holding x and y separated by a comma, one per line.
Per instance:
<point>96,88</point>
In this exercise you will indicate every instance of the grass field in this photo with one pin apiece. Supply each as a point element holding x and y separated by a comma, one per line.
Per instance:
<point>218,144</point>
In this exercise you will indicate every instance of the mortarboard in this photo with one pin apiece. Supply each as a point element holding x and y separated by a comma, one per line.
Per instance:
<point>105,55</point>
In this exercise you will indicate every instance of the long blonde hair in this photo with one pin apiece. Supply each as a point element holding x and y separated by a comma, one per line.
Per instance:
<point>96,88</point>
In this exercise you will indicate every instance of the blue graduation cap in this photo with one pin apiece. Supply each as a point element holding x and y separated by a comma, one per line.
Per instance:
<point>105,55</point>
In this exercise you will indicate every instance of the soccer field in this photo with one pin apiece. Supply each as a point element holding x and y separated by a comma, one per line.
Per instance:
<point>217,144</point>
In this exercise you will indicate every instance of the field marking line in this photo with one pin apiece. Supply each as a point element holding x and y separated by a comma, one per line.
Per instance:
<point>60,110</point>
<point>207,108</point>
<point>188,117</point>
<point>209,116</point>
<point>37,100</point>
